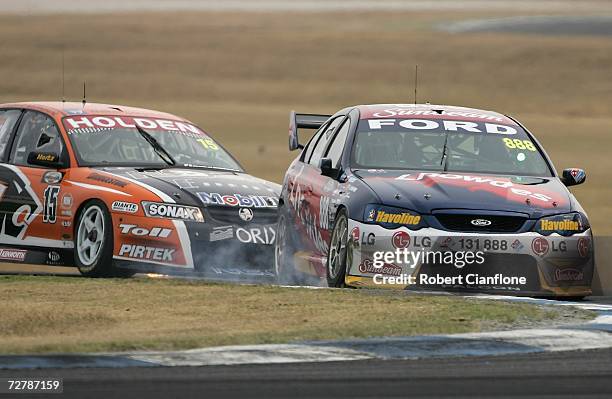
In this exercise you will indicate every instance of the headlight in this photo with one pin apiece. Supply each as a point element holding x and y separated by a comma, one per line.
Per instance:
<point>392,217</point>
<point>172,211</point>
<point>565,224</point>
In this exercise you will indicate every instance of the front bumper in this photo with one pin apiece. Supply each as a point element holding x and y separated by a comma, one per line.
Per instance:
<point>223,249</point>
<point>521,264</point>
<point>234,251</point>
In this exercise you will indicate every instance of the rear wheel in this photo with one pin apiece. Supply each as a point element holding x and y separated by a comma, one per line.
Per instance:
<point>93,241</point>
<point>337,255</point>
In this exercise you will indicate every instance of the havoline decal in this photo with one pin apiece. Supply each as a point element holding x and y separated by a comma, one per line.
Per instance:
<point>172,211</point>
<point>19,204</point>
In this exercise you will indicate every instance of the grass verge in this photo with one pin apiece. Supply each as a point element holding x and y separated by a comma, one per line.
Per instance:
<point>69,314</point>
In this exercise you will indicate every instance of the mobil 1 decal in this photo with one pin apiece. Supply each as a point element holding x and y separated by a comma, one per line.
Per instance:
<point>19,204</point>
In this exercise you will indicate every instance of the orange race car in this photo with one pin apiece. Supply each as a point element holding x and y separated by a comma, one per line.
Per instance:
<point>113,190</point>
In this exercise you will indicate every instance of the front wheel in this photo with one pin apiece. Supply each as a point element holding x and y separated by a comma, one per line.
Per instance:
<point>337,255</point>
<point>93,241</point>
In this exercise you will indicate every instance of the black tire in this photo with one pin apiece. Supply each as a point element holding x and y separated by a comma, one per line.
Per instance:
<point>338,249</point>
<point>91,258</point>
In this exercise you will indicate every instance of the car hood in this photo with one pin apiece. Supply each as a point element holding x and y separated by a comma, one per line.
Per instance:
<point>426,192</point>
<point>205,187</point>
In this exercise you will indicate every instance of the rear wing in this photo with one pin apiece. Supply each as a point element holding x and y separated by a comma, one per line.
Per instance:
<point>303,121</point>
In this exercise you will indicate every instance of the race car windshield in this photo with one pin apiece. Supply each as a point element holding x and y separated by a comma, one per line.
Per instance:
<point>453,146</point>
<point>144,142</point>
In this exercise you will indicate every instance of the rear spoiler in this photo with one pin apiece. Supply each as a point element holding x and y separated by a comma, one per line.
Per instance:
<point>303,121</point>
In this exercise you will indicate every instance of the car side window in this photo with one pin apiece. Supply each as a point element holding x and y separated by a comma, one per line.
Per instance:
<point>335,150</point>
<point>313,141</point>
<point>311,145</point>
<point>8,118</point>
<point>37,132</point>
<point>326,136</point>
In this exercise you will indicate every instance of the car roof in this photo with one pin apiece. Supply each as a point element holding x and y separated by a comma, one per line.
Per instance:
<point>410,110</point>
<point>60,109</point>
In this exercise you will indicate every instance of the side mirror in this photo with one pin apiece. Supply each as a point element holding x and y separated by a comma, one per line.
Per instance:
<point>46,159</point>
<point>327,169</point>
<point>573,176</point>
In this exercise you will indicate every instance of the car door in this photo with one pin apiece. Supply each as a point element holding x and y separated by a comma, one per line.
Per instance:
<point>298,193</point>
<point>29,203</point>
<point>327,192</point>
<point>314,202</point>
<point>8,122</point>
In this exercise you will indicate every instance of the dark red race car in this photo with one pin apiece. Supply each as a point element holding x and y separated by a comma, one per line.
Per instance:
<point>469,197</point>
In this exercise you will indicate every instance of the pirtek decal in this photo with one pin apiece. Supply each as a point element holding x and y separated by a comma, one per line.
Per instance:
<point>148,253</point>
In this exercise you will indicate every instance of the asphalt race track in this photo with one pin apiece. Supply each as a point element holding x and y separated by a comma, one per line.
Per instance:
<point>551,375</point>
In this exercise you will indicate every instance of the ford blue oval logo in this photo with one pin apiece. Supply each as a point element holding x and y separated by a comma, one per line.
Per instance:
<point>481,222</point>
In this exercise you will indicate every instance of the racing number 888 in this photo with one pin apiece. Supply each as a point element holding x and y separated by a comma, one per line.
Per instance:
<point>519,144</point>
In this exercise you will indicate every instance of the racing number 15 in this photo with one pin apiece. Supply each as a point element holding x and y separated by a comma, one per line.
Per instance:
<point>50,204</point>
<point>208,144</point>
